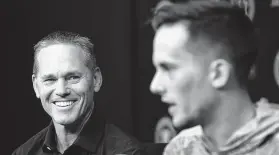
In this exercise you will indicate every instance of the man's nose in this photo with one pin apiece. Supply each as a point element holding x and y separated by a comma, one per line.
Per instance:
<point>61,88</point>
<point>156,87</point>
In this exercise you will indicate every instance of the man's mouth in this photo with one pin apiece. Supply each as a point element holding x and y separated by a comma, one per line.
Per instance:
<point>165,100</point>
<point>63,103</point>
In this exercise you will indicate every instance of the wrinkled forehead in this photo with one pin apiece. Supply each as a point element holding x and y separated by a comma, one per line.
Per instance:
<point>62,50</point>
<point>60,56</point>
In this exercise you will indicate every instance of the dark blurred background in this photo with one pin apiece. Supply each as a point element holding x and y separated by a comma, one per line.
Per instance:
<point>124,47</point>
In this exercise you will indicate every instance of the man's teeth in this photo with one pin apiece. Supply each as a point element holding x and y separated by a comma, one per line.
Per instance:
<point>64,104</point>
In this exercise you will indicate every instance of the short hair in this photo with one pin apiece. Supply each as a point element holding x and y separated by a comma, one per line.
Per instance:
<point>219,23</point>
<point>63,37</point>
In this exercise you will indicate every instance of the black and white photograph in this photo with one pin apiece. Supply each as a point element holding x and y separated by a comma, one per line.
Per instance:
<point>141,77</point>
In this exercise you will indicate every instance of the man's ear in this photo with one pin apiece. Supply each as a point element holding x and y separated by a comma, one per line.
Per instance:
<point>35,85</point>
<point>98,79</point>
<point>219,73</point>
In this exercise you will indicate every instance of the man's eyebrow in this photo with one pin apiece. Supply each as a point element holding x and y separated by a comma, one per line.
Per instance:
<point>166,64</point>
<point>73,73</point>
<point>47,76</point>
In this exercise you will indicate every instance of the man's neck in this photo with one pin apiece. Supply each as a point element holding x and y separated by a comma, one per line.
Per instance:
<point>66,135</point>
<point>235,110</point>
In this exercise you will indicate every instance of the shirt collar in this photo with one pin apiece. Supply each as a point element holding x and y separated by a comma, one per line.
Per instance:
<point>89,137</point>
<point>49,143</point>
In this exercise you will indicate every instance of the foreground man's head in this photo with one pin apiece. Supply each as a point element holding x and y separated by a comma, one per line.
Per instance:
<point>202,51</point>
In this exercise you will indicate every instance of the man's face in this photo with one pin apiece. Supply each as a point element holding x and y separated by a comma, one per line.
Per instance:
<point>180,78</point>
<point>64,83</point>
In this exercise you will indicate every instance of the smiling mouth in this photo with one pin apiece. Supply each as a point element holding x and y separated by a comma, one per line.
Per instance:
<point>63,103</point>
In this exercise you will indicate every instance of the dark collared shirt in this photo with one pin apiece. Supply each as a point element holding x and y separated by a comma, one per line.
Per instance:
<point>96,138</point>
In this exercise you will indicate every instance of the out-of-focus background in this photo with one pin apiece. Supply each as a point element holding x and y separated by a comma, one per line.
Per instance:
<point>124,47</point>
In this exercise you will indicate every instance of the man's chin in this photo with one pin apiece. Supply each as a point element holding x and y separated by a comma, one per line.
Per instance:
<point>181,124</point>
<point>63,121</point>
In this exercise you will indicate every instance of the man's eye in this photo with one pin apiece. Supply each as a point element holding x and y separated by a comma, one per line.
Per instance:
<point>73,78</point>
<point>49,81</point>
<point>165,67</point>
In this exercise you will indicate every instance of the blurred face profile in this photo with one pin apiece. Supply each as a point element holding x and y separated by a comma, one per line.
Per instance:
<point>64,83</point>
<point>180,78</point>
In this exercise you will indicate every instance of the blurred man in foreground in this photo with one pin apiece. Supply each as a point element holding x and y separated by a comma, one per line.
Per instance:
<point>203,52</point>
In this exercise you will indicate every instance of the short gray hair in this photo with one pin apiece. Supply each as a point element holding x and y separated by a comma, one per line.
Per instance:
<point>62,37</point>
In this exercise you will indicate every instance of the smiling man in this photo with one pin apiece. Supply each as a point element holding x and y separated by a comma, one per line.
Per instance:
<point>203,51</point>
<point>65,78</point>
